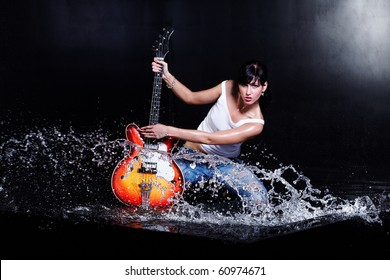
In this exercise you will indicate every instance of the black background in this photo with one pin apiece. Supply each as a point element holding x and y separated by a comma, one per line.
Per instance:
<point>87,64</point>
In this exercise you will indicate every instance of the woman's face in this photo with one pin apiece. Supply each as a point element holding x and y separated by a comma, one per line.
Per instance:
<point>251,92</point>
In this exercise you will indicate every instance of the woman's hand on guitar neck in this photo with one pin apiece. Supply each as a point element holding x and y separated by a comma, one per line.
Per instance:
<point>160,66</point>
<point>156,131</point>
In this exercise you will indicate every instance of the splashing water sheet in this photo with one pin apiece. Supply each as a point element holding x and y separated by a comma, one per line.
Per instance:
<point>55,189</point>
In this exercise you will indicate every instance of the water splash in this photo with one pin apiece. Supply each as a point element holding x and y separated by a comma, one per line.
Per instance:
<point>63,173</point>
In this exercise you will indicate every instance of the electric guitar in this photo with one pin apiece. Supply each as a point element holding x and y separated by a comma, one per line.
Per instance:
<point>149,176</point>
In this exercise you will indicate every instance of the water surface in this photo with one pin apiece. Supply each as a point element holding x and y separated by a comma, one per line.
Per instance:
<point>64,174</point>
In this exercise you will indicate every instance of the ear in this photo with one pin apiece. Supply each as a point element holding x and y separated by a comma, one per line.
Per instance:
<point>265,86</point>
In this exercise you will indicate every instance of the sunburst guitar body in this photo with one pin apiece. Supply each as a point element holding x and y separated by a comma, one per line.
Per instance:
<point>148,176</point>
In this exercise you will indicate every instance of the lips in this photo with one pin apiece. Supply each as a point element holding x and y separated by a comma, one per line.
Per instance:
<point>248,99</point>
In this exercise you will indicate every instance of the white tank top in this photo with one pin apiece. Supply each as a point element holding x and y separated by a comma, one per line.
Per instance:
<point>218,118</point>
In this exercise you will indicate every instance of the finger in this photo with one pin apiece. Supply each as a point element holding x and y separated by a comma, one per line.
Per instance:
<point>146,127</point>
<point>157,68</point>
<point>160,62</point>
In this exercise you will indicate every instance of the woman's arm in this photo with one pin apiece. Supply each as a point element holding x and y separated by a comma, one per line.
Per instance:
<point>230,136</point>
<point>181,91</point>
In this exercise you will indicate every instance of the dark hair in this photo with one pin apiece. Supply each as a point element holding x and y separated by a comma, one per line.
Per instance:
<point>252,70</point>
<point>257,71</point>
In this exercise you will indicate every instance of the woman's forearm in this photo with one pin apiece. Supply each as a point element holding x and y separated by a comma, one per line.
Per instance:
<point>180,90</point>
<point>192,135</point>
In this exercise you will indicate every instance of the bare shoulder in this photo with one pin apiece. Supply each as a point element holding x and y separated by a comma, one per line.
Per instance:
<point>229,85</point>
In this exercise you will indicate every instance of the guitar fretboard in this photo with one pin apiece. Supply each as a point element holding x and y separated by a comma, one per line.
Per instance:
<point>161,50</point>
<point>156,97</point>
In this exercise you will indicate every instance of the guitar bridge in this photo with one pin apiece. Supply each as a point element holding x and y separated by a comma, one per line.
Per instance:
<point>145,194</point>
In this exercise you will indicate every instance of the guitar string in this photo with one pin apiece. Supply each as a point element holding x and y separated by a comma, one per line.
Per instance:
<point>147,178</point>
<point>153,119</point>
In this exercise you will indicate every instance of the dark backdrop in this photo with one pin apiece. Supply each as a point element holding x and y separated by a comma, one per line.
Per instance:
<point>87,63</point>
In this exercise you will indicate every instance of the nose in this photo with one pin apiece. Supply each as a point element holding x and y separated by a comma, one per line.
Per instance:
<point>248,90</point>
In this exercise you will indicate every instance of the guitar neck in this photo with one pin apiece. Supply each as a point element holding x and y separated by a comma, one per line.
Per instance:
<point>156,97</point>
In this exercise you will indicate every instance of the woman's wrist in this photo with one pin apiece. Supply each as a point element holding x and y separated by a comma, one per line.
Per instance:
<point>169,131</point>
<point>170,81</point>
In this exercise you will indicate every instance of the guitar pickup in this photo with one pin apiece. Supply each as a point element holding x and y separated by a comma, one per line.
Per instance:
<point>148,167</point>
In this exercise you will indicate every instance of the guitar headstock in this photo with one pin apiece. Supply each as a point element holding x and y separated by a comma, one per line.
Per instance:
<point>162,43</point>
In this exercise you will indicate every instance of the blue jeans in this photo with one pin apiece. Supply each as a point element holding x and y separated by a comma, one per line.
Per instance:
<point>231,173</point>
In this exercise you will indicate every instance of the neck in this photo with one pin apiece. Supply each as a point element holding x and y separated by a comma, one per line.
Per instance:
<point>241,107</point>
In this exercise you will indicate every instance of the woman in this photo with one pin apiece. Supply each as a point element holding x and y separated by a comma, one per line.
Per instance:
<point>235,117</point>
